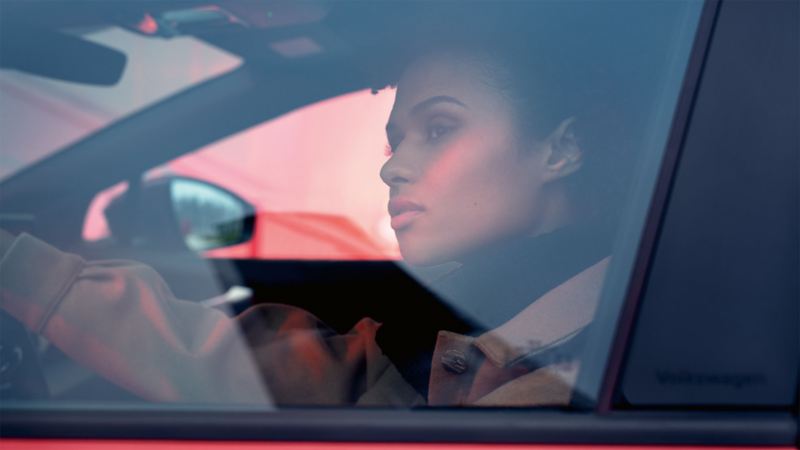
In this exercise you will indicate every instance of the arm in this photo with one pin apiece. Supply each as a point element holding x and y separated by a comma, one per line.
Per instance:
<point>121,319</point>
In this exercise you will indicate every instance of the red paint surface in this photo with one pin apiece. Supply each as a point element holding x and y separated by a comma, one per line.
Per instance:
<point>148,25</point>
<point>311,175</point>
<point>47,444</point>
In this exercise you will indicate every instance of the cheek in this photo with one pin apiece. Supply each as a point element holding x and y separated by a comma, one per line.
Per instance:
<point>473,173</point>
<point>479,191</point>
<point>448,170</point>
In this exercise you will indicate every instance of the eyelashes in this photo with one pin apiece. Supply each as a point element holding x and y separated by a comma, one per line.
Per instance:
<point>439,127</point>
<point>435,130</point>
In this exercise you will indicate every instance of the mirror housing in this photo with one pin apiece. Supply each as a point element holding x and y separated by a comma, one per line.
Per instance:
<point>180,213</point>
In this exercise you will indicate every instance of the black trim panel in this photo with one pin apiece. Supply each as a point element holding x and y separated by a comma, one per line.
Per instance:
<point>720,300</point>
<point>497,426</point>
<point>650,233</point>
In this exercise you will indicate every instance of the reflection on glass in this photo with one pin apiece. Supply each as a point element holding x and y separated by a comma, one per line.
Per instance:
<point>208,217</point>
<point>521,144</point>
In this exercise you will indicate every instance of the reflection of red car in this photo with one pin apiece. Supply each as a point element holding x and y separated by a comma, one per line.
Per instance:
<point>337,197</point>
<point>256,233</point>
<point>700,349</point>
<point>303,236</point>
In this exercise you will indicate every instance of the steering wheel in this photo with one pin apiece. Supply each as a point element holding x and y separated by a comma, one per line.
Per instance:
<point>21,375</point>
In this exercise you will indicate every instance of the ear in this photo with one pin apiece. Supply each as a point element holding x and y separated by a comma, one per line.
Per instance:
<point>564,155</point>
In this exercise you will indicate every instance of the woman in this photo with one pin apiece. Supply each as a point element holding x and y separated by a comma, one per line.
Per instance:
<point>483,175</point>
<point>471,180</point>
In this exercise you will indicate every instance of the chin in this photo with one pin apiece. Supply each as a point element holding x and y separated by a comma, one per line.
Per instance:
<point>417,254</point>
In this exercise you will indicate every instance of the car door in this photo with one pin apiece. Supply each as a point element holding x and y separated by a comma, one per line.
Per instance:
<point>696,342</point>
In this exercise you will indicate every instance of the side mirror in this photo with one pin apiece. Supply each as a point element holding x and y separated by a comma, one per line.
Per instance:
<point>177,212</point>
<point>209,216</point>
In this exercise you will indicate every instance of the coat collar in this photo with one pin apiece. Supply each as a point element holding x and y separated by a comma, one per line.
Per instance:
<point>532,359</point>
<point>550,321</point>
<point>491,289</point>
<point>492,293</point>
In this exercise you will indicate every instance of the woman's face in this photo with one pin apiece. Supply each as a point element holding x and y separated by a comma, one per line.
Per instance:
<point>460,175</point>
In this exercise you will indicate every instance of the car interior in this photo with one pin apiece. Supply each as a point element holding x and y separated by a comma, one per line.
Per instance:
<point>695,339</point>
<point>299,53</point>
<point>268,85</point>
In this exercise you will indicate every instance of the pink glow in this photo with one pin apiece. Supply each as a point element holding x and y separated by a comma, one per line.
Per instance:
<point>95,226</point>
<point>312,176</point>
<point>148,25</point>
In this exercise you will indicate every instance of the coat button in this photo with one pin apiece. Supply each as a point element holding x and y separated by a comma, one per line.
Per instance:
<point>454,361</point>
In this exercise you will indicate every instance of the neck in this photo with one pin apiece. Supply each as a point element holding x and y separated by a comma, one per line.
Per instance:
<point>557,213</point>
<point>492,287</point>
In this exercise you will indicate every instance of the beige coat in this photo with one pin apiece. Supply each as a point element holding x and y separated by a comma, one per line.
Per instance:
<point>120,319</point>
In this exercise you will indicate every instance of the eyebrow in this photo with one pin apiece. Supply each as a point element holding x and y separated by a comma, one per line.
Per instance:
<point>427,103</point>
<point>434,100</point>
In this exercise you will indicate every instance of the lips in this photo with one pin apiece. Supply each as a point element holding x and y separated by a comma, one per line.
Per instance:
<point>403,212</point>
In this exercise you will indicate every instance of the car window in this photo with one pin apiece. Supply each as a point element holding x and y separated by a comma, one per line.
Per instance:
<point>283,168</point>
<point>444,220</point>
<point>69,110</point>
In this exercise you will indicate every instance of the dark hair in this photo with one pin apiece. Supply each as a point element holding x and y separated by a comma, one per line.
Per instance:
<point>594,61</point>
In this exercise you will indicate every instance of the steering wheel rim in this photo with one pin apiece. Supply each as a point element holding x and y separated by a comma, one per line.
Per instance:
<point>21,374</point>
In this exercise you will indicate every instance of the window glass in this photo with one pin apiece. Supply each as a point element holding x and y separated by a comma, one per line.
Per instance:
<point>296,215</point>
<point>69,110</point>
<point>447,218</point>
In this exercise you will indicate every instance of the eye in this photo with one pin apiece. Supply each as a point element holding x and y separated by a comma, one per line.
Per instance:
<point>437,131</point>
<point>438,128</point>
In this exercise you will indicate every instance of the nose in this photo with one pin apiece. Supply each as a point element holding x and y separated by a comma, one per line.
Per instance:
<point>396,171</point>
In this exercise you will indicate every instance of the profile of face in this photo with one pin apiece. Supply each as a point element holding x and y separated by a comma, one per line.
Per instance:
<point>461,174</point>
